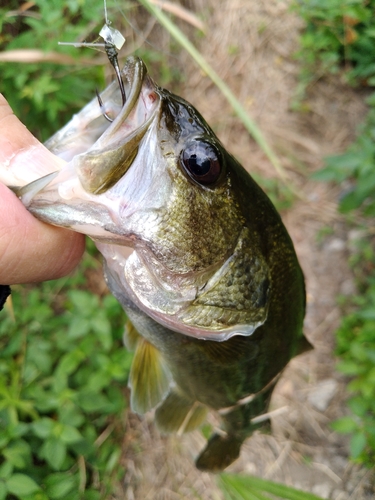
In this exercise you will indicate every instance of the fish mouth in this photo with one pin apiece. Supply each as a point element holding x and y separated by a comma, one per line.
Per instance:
<point>99,152</point>
<point>103,165</point>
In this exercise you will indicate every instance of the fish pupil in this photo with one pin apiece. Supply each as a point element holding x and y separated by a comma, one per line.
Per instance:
<point>202,162</point>
<point>198,166</point>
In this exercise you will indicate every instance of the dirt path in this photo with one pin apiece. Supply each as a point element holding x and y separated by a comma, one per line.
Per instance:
<point>251,46</point>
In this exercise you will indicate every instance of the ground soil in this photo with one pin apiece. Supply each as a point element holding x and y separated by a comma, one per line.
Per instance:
<point>251,44</point>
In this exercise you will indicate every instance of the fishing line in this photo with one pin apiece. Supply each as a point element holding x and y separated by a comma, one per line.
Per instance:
<point>107,22</point>
<point>140,34</point>
<point>113,41</point>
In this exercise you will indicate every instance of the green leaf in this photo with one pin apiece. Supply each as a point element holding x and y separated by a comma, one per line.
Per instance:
<point>21,485</point>
<point>43,427</point>
<point>92,495</point>
<point>102,327</point>
<point>366,314</point>
<point>91,401</point>
<point>70,361</point>
<point>6,470</point>
<point>79,327</point>
<point>85,302</point>
<point>357,444</point>
<point>349,367</point>
<point>70,415</point>
<point>70,434</point>
<point>358,406</point>
<point>58,485</point>
<point>18,453</point>
<point>113,460</point>
<point>54,451</point>
<point>3,490</point>
<point>344,425</point>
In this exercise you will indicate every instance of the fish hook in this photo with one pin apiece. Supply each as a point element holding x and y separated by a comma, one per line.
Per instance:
<point>113,40</point>
<point>112,53</point>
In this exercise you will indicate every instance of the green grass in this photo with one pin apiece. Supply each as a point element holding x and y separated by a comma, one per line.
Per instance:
<point>63,370</point>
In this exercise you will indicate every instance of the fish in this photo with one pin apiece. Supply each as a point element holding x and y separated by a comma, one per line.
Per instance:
<point>192,248</point>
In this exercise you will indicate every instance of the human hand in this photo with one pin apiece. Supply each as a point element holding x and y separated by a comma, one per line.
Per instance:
<point>30,251</point>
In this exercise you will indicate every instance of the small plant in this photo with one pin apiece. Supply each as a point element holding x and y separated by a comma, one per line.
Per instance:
<point>63,369</point>
<point>356,350</point>
<point>339,36</point>
<point>356,167</point>
<point>40,93</point>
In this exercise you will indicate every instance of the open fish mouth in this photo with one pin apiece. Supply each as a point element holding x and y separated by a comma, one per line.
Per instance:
<point>99,152</point>
<point>109,158</point>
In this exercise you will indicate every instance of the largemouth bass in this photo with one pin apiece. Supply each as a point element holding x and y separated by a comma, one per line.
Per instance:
<point>212,285</point>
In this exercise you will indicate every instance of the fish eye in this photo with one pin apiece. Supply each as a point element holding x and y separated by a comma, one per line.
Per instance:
<point>202,161</point>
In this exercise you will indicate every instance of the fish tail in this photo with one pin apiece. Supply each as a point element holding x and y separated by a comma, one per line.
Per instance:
<point>221,450</point>
<point>224,448</point>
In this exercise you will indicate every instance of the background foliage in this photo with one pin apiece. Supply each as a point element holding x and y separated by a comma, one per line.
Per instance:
<point>41,93</point>
<point>63,371</point>
<point>62,365</point>
<point>340,38</point>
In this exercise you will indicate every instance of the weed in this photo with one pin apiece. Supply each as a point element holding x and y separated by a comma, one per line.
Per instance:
<point>339,36</point>
<point>356,167</point>
<point>355,348</point>
<point>63,369</point>
<point>238,487</point>
<point>41,93</point>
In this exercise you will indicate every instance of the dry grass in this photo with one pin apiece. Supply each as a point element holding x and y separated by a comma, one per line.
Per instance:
<point>251,46</point>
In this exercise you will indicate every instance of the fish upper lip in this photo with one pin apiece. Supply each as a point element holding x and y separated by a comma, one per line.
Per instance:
<point>141,88</point>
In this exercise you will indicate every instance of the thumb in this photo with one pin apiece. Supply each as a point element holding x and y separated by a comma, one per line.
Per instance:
<point>30,250</point>
<point>23,158</point>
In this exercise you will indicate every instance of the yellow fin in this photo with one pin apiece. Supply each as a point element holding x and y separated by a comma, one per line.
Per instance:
<point>179,414</point>
<point>195,419</point>
<point>9,307</point>
<point>131,336</point>
<point>149,378</point>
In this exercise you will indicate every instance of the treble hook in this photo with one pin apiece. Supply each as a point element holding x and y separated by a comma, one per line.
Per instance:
<point>113,40</point>
<point>112,53</point>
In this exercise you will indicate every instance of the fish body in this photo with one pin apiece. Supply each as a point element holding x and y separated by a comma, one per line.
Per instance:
<point>213,288</point>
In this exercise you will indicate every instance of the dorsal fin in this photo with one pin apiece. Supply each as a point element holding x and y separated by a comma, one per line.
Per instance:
<point>179,414</point>
<point>149,378</point>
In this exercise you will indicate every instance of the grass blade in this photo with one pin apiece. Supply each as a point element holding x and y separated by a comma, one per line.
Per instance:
<point>240,485</point>
<point>228,94</point>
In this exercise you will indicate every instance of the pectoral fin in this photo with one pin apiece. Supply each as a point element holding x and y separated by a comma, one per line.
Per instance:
<point>131,336</point>
<point>149,378</point>
<point>179,414</point>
